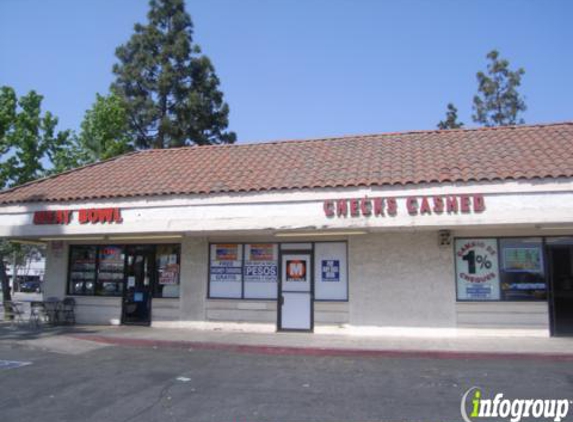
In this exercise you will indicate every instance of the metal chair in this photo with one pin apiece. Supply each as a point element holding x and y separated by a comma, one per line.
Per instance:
<point>13,312</point>
<point>38,314</point>
<point>66,311</point>
<point>52,308</point>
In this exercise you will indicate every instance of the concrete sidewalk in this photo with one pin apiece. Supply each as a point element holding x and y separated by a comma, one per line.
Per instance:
<point>323,344</point>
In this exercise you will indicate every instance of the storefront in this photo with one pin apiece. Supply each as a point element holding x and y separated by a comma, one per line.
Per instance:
<point>422,232</point>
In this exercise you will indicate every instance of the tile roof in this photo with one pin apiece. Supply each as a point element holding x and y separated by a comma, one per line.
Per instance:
<point>436,156</point>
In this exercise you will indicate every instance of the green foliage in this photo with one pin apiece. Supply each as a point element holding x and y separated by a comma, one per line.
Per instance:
<point>105,130</point>
<point>27,138</point>
<point>170,90</point>
<point>451,121</point>
<point>498,102</point>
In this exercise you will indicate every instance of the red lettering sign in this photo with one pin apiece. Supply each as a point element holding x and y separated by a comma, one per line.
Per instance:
<point>414,205</point>
<point>85,216</point>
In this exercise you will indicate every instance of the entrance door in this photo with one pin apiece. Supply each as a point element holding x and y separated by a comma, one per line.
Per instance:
<point>137,298</point>
<point>561,261</point>
<point>295,298</point>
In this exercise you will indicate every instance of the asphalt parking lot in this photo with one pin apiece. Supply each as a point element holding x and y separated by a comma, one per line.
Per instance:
<point>116,383</point>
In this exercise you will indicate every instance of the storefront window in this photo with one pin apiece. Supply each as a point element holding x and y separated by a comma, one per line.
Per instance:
<point>82,270</point>
<point>261,271</point>
<point>251,271</point>
<point>226,271</point>
<point>100,270</point>
<point>330,271</point>
<point>167,264</point>
<point>477,269</point>
<point>522,269</point>
<point>111,271</point>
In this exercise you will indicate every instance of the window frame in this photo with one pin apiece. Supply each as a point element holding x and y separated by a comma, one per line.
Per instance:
<point>279,269</point>
<point>499,257</point>
<point>124,249</point>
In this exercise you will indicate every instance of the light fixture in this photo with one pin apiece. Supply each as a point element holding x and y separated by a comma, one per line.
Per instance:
<point>555,227</point>
<point>144,237</point>
<point>70,238</point>
<point>325,233</point>
<point>28,242</point>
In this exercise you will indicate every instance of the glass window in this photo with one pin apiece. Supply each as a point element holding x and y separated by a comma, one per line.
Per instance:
<point>82,270</point>
<point>168,266</point>
<point>330,271</point>
<point>226,271</point>
<point>477,272</point>
<point>522,269</point>
<point>110,271</point>
<point>260,272</point>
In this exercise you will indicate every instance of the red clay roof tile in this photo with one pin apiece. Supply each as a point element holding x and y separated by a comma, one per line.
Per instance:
<point>486,154</point>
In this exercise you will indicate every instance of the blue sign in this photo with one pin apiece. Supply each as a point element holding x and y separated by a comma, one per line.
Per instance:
<point>330,270</point>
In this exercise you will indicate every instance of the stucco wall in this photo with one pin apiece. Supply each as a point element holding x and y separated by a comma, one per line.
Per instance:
<point>401,279</point>
<point>194,270</point>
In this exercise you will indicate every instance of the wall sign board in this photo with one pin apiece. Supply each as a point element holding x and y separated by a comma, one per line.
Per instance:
<point>412,205</point>
<point>85,216</point>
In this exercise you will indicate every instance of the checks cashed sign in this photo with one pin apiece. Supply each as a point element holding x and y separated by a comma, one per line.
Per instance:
<point>477,269</point>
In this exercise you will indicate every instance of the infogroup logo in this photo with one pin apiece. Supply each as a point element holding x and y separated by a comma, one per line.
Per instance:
<point>474,407</point>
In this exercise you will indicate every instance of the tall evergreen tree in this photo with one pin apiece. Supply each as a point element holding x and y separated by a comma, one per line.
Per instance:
<point>170,90</point>
<point>498,102</point>
<point>451,121</point>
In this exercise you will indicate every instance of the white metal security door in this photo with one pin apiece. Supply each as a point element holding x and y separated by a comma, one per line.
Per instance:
<point>295,299</point>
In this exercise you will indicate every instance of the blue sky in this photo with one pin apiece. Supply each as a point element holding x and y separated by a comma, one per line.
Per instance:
<point>303,69</point>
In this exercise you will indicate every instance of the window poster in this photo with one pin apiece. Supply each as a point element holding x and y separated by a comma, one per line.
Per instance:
<point>330,270</point>
<point>296,270</point>
<point>477,269</point>
<point>169,275</point>
<point>522,259</point>
<point>226,270</point>
<point>261,262</point>
<point>226,262</point>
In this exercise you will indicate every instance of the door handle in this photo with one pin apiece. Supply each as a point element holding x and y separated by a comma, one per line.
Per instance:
<point>282,300</point>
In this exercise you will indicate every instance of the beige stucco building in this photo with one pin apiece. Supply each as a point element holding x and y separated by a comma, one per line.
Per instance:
<point>437,232</point>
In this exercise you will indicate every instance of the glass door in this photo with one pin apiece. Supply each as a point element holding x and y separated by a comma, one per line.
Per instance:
<point>561,267</point>
<point>295,298</point>
<point>140,270</point>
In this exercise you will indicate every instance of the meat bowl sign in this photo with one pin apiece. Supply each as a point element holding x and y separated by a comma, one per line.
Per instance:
<point>84,216</point>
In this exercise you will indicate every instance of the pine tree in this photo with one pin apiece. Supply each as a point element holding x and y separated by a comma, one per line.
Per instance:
<point>498,102</point>
<point>451,121</point>
<point>170,90</point>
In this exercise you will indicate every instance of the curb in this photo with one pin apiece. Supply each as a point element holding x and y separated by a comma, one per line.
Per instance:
<point>322,352</point>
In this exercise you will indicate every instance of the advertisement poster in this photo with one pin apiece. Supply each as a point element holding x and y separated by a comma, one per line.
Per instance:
<point>296,270</point>
<point>527,259</point>
<point>169,275</point>
<point>226,262</point>
<point>330,270</point>
<point>477,269</point>
<point>261,262</point>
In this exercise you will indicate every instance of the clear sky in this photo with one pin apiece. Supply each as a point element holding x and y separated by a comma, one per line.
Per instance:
<point>307,68</point>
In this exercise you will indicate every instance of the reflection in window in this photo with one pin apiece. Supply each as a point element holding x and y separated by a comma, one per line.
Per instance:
<point>522,269</point>
<point>111,271</point>
<point>82,270</point>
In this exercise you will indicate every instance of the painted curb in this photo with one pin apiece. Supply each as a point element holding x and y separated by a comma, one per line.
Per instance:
<point>319,351</point>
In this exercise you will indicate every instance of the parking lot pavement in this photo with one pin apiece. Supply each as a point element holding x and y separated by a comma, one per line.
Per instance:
<point>164,384</point>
